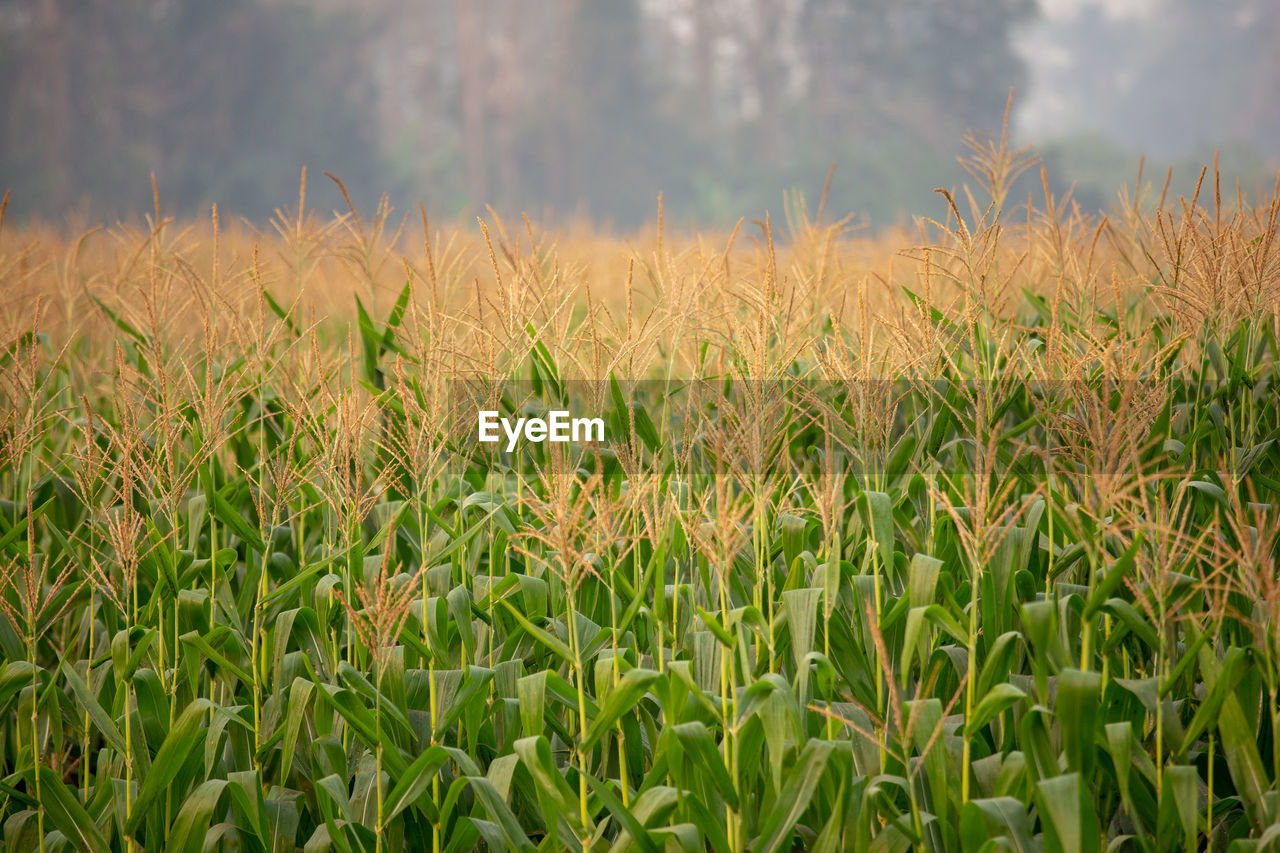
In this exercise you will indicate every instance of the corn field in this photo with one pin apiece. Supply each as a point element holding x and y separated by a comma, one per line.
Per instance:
<point>960,539</point>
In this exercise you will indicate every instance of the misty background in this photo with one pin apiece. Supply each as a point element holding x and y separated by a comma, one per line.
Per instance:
<point>589,108</point>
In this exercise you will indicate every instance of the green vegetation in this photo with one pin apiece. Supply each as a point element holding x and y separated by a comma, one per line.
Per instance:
<point>978,553</point>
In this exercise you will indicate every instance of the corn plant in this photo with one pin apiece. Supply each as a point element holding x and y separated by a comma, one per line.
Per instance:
<point>973,550</point>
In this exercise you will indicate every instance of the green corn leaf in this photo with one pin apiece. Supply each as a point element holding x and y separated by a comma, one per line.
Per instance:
<point>1079,697</point>
<point>1113,578</point>
<point>717,630</point>
<point>1239,744</point>
<point>1000,698</point>
<point>1232,668</point>
<point>1183,791</point>
<point>697,742</point>
<point>411,787</point>
<point>498,810</point>
<point>361,719</point>
<point>186,734</point>
<point>621,700</point>
<point>299,703</point>
<point>634,832</point>
<point>559,802</point>
<point>475,683</point>
<point>797,792</point>
<point>202,645</point>
<point>922,579</point>
<point>97,714</point>
<point>1000,817</point>
<point>191,826</point>
<point>531,692</point>
<point>63,809</point>
<point>1071,824</point>
<point>801,609</point>
<point>877,510</point>
<point>16,675</point>
<point>230,517</point>
<point>551,642</point>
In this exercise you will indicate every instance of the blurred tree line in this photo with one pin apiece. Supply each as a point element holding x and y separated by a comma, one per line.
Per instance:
<point>560,108</point>
<point>1177,82</point>
<point>222,101</point>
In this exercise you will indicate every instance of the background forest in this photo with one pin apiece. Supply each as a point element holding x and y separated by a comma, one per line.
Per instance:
<point>570,109</point>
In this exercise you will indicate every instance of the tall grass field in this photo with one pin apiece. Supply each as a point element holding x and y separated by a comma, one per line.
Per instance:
<point>956,538</point>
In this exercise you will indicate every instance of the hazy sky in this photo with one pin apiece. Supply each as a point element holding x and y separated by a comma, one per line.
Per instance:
<point>1047,110</point>
<point>1117,8</point>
